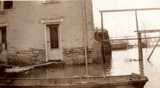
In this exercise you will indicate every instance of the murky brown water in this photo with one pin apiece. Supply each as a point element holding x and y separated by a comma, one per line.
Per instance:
<point>123,62</point>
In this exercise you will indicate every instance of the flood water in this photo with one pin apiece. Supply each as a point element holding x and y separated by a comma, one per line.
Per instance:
<point>123,62</point>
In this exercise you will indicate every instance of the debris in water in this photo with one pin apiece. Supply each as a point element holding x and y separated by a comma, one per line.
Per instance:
<point>18,69</point>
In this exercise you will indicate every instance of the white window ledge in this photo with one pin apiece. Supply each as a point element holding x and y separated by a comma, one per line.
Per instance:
<point>50,1</point>
<point>50,21</point>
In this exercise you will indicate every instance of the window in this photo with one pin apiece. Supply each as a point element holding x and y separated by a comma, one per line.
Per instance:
<point>8,4</point>
<point>53,29</point>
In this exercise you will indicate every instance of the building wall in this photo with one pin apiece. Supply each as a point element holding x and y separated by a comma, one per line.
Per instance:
<point>25,30</point>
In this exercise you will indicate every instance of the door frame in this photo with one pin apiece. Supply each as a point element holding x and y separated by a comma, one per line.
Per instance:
<point>45,23</point>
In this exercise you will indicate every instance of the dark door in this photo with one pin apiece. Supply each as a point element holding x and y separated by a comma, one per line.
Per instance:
<point>4,36</point>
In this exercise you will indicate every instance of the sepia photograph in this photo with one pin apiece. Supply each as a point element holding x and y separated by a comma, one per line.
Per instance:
<point>79,43</point>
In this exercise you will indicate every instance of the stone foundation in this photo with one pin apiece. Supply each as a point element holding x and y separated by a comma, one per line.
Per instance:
<point>77,55</point>
<point>26,57</point>
<point>37,56</point>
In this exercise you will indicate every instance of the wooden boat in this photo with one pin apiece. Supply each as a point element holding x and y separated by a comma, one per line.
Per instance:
<point>127,81</point>
<point>144,45</point>
<point>119,45</point>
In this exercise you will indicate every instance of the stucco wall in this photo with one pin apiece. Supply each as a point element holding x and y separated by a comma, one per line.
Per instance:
<point>25,31</point>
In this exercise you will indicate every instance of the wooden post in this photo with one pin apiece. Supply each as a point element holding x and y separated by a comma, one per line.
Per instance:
<point>85,36</point>
<point>46,43</point>
<point>140,51</point>
<point>102,42</point>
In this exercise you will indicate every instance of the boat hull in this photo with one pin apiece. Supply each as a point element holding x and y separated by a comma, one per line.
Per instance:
<point>119,46</point>
<point>127,81</point>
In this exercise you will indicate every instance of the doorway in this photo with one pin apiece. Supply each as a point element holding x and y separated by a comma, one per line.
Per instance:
<point>3,36</point>
<point>53,42</point>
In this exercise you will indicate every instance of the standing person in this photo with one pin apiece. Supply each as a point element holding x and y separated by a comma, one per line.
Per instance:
<point>106,53</point>
<point>107,48</point>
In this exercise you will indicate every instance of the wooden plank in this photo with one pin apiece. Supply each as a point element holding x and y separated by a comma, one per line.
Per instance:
<point>148,31</point>
<point>26,68</point>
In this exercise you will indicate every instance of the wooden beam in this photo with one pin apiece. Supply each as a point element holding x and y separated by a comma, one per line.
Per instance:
<point>148,31</point>
<point>125,10</point>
